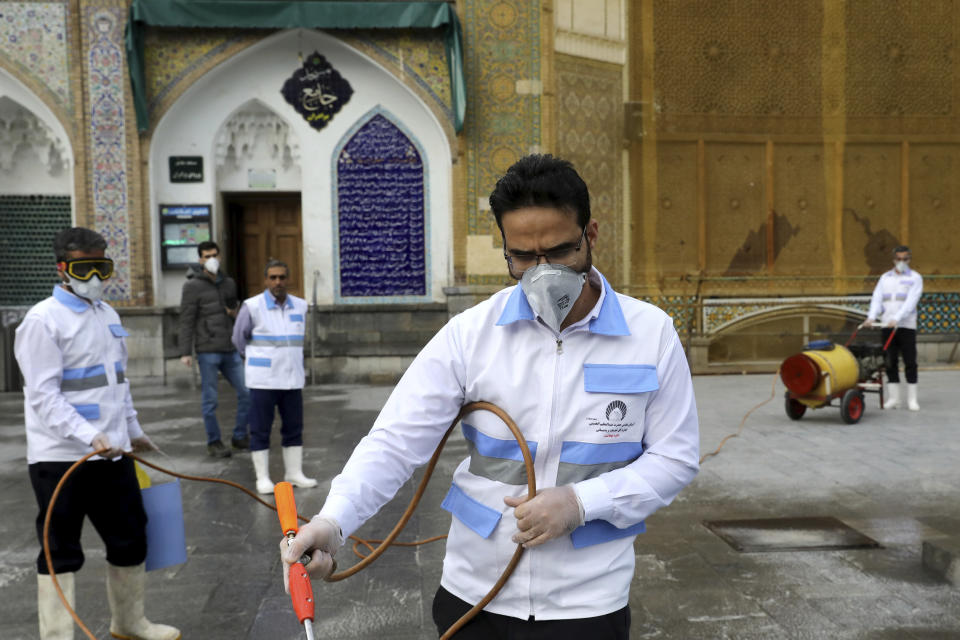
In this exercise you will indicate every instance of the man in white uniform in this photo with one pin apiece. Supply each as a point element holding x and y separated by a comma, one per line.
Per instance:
<point>894,307</point>
<point>269,334</point>
<point>71,350</point>
<point>598,383</point>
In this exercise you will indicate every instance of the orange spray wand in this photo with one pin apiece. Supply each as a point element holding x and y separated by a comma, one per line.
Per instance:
<point>301,593</point>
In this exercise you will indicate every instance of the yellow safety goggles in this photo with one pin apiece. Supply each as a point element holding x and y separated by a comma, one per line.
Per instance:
<point>85,268</point>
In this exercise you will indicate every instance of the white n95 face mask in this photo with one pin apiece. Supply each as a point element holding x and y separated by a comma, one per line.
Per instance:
<point>900,266</point>
<point>551,290</point>
<point>91,289</point>
<point>212,265</point>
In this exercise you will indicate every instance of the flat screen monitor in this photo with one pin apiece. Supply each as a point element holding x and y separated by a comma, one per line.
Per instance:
<point>185,233</point>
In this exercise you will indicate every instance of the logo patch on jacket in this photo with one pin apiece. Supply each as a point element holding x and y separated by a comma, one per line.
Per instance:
<point>613,423</point>
<point>617,410</point>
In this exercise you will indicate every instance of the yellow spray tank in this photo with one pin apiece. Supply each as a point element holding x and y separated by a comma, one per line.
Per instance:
<point>819,374</point>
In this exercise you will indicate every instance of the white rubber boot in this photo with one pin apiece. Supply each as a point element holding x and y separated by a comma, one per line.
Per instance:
<point>55,620</point>
<point>125,595</point>
<point>912,397</point>
<point>892,398</point>
<point>261,465</point>
<point>293,468</point>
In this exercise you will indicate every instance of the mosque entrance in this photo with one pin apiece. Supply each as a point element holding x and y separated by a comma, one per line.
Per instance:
<point>261,226</point>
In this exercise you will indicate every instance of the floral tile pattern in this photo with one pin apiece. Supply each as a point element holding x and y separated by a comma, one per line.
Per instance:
<point>106,77</point>
<point>501,46</point>
<point>33,36</point>
<point>421,55</point>
<point>939,313</point>
<point>936,312</point>
<point>169,55</point>
<point>718,313</point>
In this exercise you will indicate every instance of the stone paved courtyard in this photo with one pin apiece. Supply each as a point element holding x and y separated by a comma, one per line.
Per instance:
<point>894,476</point>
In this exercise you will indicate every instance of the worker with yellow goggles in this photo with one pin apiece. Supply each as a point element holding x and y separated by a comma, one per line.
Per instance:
<point>85,268</point>
<point>85,274</point>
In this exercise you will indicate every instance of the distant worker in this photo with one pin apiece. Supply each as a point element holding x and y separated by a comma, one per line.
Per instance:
<point>72,352</point>
<point>269,334</point>
<point>208,305</point>
<point>895,297</point>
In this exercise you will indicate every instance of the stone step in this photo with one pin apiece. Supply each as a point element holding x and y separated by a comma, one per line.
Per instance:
<point>942,557</point>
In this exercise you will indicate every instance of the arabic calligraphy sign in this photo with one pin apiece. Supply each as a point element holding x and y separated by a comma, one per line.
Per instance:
<point>381,213</point>
<point>317,91</point>
<point>186,168</point>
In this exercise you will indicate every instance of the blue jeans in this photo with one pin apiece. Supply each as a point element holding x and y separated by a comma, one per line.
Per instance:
<point>231,365</point>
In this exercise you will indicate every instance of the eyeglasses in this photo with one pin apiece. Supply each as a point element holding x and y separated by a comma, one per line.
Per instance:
<point>519,262</point>
<point>85,268</point>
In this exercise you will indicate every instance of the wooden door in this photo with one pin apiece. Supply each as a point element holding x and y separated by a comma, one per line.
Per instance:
<point>270,228</point>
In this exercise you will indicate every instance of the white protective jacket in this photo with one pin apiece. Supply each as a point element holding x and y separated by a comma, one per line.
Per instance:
<point>274,352</point>
<point>607,406</point>
<point>895,298</point>
<point>73,357</point>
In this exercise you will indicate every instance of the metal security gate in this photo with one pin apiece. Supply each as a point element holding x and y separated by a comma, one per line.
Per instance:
<point>27,226</point>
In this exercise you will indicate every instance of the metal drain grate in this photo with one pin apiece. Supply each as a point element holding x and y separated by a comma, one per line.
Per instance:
<point>789,534</point>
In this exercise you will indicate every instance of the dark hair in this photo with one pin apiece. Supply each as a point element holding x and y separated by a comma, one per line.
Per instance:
<point>206,245</point>
<point>273,262</point>
<point>77,239</point>
<point>901,249</point>
<point>541,180</point>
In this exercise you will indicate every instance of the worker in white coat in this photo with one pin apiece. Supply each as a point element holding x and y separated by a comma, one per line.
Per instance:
<point>73,356</point>
<point>269,335</point>
<point>894,307</point>
<point>599,385</point>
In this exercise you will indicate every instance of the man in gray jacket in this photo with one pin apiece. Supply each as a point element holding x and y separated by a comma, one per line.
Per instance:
<point>208,306</point>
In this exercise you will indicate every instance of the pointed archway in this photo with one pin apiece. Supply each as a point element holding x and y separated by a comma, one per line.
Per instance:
<point>253,79</point>
<point>36,193</point>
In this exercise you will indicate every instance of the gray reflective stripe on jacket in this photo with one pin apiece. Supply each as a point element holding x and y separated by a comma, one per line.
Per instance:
<point>583,460</point>
<point>276,341</point>
<point>84,378</point>
<point>496,459</point>
<point>570,472</point>
<point>82,384</point>
<point>510,471</point>
<point>499,469</point>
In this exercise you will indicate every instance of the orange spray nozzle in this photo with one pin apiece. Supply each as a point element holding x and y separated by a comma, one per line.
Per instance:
<point>286,507</point>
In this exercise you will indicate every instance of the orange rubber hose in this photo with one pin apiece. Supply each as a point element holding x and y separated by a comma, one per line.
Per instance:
<point>773,393</point>
<point>375,552</point>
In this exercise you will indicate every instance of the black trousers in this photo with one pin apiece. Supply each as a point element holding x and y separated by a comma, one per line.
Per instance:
<point>289,402</point>
<point>904,344</point>
<point>447,609</point>
<point>107,492</point>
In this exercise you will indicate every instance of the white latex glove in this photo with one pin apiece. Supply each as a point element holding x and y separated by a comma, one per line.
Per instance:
<point>320,538</point>
<point>143,443</point>
<point>554,512</point>
<point>891,324</point>
<point>101,441</point>
<point>866,324</point>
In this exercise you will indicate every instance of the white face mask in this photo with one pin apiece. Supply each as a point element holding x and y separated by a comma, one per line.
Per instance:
<point>551,290</point>
<point>900,266</point>
<point>212,265</point>
<point>91,289</point>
